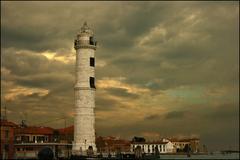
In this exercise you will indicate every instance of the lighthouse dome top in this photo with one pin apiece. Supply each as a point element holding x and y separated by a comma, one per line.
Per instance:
<point>85,29</point>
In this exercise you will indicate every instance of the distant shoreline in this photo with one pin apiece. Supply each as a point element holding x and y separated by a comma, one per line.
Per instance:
<point>184,153</point>
<point>207,153</point>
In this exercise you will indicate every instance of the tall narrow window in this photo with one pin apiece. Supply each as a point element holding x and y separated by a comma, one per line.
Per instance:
<point>92,61</point>
<point>92,82</point>
<point>91,41</point>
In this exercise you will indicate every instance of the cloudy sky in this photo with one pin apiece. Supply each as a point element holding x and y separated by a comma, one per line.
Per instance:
<point>162,68</point>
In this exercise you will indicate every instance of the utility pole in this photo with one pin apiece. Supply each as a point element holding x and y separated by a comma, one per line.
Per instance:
<point>5,108</point>
<point>65,125</point>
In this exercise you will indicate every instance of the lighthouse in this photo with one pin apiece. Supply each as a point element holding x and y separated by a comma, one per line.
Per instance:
<point>84,90</point>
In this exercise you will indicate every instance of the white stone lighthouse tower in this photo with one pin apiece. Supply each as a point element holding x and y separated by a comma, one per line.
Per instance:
<point>84,122</point>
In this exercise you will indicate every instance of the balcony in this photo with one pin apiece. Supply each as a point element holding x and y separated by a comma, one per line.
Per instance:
<point>85,44</point>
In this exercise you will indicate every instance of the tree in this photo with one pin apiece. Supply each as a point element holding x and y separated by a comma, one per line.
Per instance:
<point>187,148</point>
<point>100,144</point>
<point>138,139</point>
<point>45,154</point>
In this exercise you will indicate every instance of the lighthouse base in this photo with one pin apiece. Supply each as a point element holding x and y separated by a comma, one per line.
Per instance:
<point>84,149</point>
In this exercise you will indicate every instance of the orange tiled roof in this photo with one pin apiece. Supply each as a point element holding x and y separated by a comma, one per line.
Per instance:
<point>34,130</point>
<point>154,142</point>
<point>112,141</point>
<point>7,123</point>
<point>67,130</point>
<point>183,139</point>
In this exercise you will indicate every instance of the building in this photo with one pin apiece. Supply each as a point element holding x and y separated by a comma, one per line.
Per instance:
<point>31,150</point>
<point>186,144</point>
<point>153,147</point>
<point>65,134</point>
<point>7,139</point>
<point>33,134</point>
<point>30,140</point>
<point>112,145</point>
<point>168,145</point>
<point>84,122</point>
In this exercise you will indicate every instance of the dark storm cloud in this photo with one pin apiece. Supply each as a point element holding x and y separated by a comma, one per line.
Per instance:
<point>45,30</point>
<point>33,70</point>
<point>36,74</point>
<point>105,103</point>
<point>41,30</point>
<point>211,129</point>
<point>189,56</point>
<point>60,82</point>
<point>226,111</point>
<point>137,22</point>
<point>23,63</point>
<point>175,115</point>
<point>31,38</point>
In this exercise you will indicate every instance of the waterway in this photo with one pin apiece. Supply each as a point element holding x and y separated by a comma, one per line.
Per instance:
<point>210,156</point>
<point>217,156</point>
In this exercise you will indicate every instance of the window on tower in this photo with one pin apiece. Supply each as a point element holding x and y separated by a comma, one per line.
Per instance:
<point>91,41</point>
<point>76,42</point>
<point>92,61</point>
<point>92,82</point>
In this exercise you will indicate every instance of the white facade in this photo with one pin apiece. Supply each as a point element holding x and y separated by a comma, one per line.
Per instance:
<point>31,150</point>
<point>84,122</point>
<point>148,147</point>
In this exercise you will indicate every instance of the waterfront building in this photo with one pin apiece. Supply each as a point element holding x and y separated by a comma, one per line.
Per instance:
<point>65,135</point>
<point>153,147</point>
<point>33,134</point>
<point>84,89</point>
<point>24,142</point>
<point>180,144</point>
<point>31,150</point>
<point>112,145</point>
<point>7,139</point>
<point>30,140</point>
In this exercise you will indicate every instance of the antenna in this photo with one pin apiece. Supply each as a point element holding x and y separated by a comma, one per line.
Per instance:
<point>65,125</point>
<point>4,113</point>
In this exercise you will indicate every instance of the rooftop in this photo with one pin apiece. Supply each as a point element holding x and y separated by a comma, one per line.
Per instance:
<point>34,130</point>
<point>67,130</point>
<point>153,142</point>
<point>4,122</point>
<point>183,139</point>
